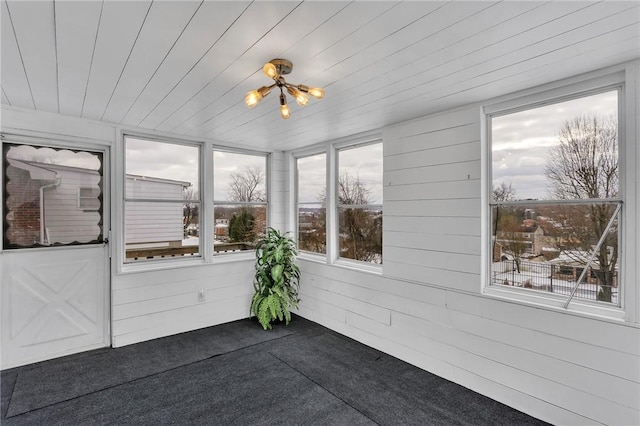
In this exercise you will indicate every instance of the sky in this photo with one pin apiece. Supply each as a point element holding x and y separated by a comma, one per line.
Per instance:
<point>364,162</point>
<point>521,141</point>
<point>63,157</point>
<point>180,162</point>
<point>162,160</point>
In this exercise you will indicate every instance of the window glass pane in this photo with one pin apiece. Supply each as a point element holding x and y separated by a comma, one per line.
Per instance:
<point>360,183</point>
<point>312,177</point>
<point>239,177</point>
<point>238,227</point>
<point>42,190</point>
<point>162,200</point>
<point>360,175</point>
<point>546,247</point>
<point>161,170</point>
<point>240,200</point>
<point>360,234</point>
<point>566,150</point>
<point>155,230</point>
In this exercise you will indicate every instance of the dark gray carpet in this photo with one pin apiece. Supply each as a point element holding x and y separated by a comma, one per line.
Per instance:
<point>299,374</point>
<point>54,381</point>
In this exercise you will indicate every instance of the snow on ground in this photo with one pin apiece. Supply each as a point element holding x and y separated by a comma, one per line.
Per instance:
<point>541,280</point>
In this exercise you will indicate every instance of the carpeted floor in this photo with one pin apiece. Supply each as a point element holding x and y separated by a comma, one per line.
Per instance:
<point>238,374</point>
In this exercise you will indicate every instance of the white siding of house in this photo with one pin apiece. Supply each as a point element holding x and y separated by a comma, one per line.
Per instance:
<point>428,309</point>
<point>147,222</point>
<point>65,222</point>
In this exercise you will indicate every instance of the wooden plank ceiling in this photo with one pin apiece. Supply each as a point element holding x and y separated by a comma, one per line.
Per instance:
<point>183,67</point>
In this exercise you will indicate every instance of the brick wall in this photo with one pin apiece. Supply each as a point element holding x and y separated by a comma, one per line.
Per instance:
<point>23,208</point>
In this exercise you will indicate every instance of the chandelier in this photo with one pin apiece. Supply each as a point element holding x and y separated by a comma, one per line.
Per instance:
<point>275,69</point>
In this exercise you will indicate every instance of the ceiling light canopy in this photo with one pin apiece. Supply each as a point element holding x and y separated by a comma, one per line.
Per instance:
<point>275,69</point>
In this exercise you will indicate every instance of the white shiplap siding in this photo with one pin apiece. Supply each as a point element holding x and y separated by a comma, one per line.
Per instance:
<point>65,221</point>
<point>427,307</point>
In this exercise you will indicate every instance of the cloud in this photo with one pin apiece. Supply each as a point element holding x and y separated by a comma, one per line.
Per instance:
<point>522,141</point>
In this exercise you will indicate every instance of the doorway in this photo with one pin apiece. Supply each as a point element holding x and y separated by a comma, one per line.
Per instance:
<point>54,262</point>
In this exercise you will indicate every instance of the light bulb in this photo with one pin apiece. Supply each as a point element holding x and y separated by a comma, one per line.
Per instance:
<point>284,108</point>
<point>316,92</point>
<point>270,70</point>
<point>284,112</point>
<point>300,97</point>
<point>252,98</point>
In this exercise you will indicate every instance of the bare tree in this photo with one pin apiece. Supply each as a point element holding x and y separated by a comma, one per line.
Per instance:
<point>503,192</point>
<point>500,193</point>
<point>360,228</point>
<point>584,165</point>
<point>190,209</point>
<point>247,185</point>
<point>512,235</point>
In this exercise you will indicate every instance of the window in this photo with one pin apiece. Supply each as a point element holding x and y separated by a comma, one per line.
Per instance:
<point>359,202</point>
<point>162,200</point>
<point>555,203</point>
<point>240,200</point>
<point>42,187</point>
<point>88,198</point>
<point>312,213</point>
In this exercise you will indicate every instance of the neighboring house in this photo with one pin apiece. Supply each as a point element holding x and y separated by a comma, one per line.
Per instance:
<point>154,221</point>
<point>528,235</point>
<point>222,228</point>
<point>571,263</point>
<point>50,203</point>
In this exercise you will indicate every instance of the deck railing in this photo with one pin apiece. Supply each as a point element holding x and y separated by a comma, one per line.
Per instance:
<point>553,278</point>
<point>169,252</point>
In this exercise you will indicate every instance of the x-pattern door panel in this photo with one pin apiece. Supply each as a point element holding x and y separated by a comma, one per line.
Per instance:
<point>54,264</point>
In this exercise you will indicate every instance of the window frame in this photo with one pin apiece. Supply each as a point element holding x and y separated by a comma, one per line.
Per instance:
<point>376,267</point>
<point>331,149</point>
<point>67,144</point>
<point>297,203</point>
<point>152,264</point>
<point>81,198</point>
<point>574,88</point>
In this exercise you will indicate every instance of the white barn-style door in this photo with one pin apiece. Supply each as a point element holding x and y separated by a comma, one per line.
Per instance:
<point>54,264</point>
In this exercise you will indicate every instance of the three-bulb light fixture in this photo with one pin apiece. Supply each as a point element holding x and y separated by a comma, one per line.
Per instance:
<point>275,69</point>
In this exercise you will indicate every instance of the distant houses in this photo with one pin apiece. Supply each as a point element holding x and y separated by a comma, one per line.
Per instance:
<point>529,241</point>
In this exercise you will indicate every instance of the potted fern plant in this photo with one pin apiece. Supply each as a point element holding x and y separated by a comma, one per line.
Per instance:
<point>276,279</point>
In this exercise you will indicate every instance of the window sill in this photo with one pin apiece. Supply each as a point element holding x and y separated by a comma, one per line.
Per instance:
<point>313,257</point>
<point>556,303</point>
<point>160,265</point>
<point>371,268</point>
<point>234,257</point>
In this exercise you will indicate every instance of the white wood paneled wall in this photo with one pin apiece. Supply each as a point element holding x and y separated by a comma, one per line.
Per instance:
<point>147,305</point>
<point>278,191</point>
<point>427,307</point>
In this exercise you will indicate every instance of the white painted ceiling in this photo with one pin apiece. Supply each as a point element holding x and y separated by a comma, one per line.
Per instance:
<point>184,67</point>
